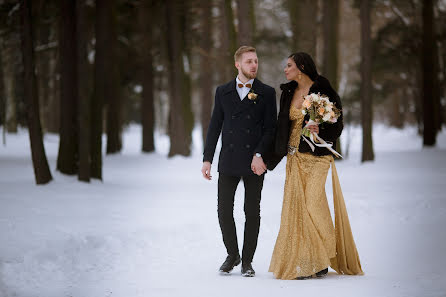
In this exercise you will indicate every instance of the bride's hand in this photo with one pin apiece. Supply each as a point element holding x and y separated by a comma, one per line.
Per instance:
<point>314,128</point>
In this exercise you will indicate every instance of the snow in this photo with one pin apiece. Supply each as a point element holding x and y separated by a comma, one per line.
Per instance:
<point>151,228</point>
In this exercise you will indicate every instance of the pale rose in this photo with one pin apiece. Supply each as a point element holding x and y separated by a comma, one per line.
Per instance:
<point>304,112</point>
<point>333,120</point>
<point>321,110</point>
<point>306,103</point>
<point>332,114</point>
<point>252,96</point>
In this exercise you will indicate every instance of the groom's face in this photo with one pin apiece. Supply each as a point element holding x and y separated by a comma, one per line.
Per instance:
<point>248,65</point>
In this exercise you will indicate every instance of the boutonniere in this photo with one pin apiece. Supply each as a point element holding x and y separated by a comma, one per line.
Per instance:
<point>252,96</point>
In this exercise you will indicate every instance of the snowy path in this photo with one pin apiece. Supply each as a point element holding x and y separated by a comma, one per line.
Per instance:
<point>151,228</point>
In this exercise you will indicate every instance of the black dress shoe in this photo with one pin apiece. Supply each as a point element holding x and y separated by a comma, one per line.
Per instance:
<point>322,273</point>
<point>304,277</point>
<point>230,263</point>
<point>247,270</point>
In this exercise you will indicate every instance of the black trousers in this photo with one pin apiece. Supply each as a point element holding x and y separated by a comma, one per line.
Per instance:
<point>227,186</point>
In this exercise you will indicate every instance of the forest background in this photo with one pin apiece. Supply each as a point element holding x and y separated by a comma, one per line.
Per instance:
<point>83,68</point>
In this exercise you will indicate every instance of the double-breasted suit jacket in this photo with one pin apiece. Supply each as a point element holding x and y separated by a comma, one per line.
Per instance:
<point>247,127</point>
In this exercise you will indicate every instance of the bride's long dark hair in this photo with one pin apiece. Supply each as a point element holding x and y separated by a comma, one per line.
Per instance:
<point>305,64</point>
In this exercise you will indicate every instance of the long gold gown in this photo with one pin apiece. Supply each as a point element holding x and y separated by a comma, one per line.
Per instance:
<point>307,241</point>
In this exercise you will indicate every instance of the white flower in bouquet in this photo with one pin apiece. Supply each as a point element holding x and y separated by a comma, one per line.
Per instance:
<point>315,97</point>
<point>326,117</point>
<point>326,101</point>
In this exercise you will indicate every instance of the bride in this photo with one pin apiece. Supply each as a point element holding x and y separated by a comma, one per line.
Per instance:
<point>308,243</point>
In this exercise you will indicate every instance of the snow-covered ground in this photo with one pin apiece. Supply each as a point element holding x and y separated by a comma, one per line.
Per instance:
<point>151,229</point>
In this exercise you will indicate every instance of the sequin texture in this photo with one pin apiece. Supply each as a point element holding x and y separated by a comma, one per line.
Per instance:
<point>307,240</point>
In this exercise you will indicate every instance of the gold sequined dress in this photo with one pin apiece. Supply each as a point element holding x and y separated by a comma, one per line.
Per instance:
<point>307,241</point>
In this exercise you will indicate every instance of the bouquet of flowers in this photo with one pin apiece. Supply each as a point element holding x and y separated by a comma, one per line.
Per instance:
<point>320,109</point>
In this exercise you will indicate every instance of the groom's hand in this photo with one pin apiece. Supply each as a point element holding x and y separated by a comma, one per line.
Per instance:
<point>257,165</point>
<point>206,170</point>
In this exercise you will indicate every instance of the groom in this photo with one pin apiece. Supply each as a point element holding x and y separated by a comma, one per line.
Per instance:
<point>245,109</point>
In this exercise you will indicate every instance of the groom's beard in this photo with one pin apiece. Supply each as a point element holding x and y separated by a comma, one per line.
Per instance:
<point>249,75</point>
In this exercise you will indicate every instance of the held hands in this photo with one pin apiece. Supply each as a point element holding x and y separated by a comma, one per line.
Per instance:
<point>258,166</point>
<point>206,170</point>
<point>313,128</point>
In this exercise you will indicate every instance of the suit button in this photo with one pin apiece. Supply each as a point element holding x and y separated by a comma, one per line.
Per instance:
<point>230,131</point>
<point>248,131</point>
<point>233,117</point>
<point>231,145</point>
<point>248,116</point>
<point>248,146</point>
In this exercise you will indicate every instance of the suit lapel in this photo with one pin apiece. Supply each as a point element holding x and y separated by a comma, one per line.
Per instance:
<point>231,93</point>
<point>257,87</point>
<point>241,105</point>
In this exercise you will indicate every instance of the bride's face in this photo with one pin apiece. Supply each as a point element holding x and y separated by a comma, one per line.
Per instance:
<point>291,70</point>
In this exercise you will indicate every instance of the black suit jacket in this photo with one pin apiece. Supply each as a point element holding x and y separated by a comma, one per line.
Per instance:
<point>247,127</point>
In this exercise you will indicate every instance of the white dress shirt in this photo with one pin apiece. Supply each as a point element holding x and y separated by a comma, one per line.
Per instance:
<point>242,92</point>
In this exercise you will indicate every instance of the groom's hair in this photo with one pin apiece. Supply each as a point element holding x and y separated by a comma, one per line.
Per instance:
<point>241,50</point>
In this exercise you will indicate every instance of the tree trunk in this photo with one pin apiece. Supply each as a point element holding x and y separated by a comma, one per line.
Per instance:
<point>179,144</point>
<point>19,88</point>
<point>53,116</point>
<point>10,103</point>
<point>366,82</point>
<point>228,41</point>
<point>186,25</point>
<point>226,69</point>
<point>41,169</point>
<point>330,24</point>
<point>416,79</point>
<point>206,73</point>
<point>330,30</point>
<point>430,91</point>
<point>114,118</point>
<point>146,14</point>
<point>303,15</point>
<point>396,113</point>
<point>2,97</point>
<point>67,160</point>
<point>232,35</point>
<point>53,121</point>
<point>101,85</point>
<point>11,68</point>
<point>245,16</point>
<point>84,97</point>
<point>442,82</point>
<point>10,112</point>
<point>42,61</point>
